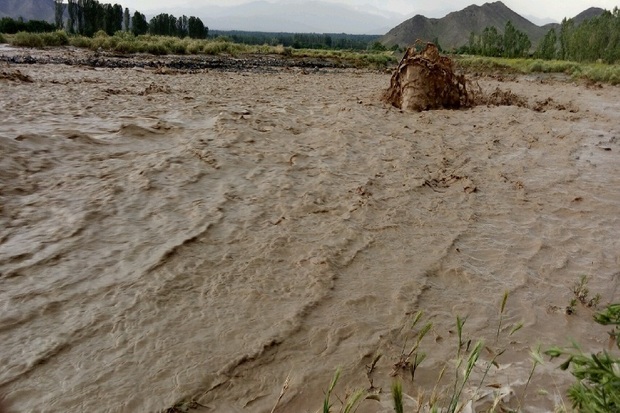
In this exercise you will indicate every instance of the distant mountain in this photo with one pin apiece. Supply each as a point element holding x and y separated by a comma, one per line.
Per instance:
<point>315,16</point>
<point>540,21</point>
<point>452,31</point>
<point>28,9</point>
<point>324,16</point>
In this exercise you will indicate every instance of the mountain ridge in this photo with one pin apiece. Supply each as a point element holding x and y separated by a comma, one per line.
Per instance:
<point>319,16</point>
<point>453,30</point>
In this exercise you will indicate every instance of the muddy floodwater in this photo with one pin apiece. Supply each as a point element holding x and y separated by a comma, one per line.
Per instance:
<point>169,236</point>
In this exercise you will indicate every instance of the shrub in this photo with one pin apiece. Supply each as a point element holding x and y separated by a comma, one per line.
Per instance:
<point>194,47</point>
<point>125,46</point>
<point>218,47</point>
<point>156,48</point>
<point>2,39</point>
<point>57,38</point>
<point>25,39</point>
<point>597,388</point>
<point>80,41</point>
<point>100,34</point>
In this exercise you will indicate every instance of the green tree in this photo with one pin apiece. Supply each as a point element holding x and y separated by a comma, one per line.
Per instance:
<point>378,47</point>
<point>566,29</point>
<point>59,11</point>
<point>139,24</point>
<point>72,6</point>
<point>196,29</point>
<point>515,42</point>
<point>547,47</point>
<point>491,42</point>
<point>126,20</point>
<point>182,29</point>
<point>163,24</point>
<point>11,26</point>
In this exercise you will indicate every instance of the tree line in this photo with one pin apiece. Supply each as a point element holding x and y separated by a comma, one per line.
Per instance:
<point>12,26</point>
<point>512,43</point>
<point>299,40</point>
<point>87,17</point>
<point>595,39</point>
<point>592,40</point>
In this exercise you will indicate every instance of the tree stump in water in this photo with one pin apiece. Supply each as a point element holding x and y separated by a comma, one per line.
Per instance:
<point>425,81</point>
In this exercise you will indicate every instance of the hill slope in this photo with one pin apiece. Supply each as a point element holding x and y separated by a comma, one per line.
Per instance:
<point>28,9</point>
<point>453,30</point>
<point>588,14</point>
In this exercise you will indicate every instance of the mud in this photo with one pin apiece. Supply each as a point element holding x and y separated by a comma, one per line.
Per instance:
<point>194,239</point>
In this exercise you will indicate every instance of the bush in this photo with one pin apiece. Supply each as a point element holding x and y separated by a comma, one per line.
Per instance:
<point>218,47</point>
<point>125,46</point>
<point>2,39</point>
<point>25,39</point>
<point>57,38</point>
<point>156,48</point>
<point>80,41</point>
<point>597,388</point>
<point>100,34</point>
<point>194,47</point>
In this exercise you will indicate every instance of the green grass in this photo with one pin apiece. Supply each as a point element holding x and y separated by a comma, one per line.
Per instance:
<point>2,38</point>
<point>597,72</point>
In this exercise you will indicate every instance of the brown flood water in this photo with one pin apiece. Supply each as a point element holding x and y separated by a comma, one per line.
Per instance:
<point>165,237</point>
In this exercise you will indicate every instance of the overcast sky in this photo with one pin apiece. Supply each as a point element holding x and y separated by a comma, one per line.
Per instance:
<point>554,9</point>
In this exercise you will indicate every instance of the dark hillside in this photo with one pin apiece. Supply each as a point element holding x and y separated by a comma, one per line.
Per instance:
<point>28,9</point>
<point>452,31</point>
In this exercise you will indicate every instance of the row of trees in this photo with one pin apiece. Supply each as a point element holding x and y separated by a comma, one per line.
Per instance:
<point>512,43</point>
<point>12,26</point>
<point>86,17</point>
<point>167,25</point>
<point>595,39</point>
<point>301,40</point>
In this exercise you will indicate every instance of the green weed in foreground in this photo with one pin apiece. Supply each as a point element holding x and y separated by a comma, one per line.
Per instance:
<point>350,403</point>
<point>597,389</point>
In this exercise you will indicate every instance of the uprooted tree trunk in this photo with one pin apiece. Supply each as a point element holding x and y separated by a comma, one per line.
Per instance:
<point>425,81</point>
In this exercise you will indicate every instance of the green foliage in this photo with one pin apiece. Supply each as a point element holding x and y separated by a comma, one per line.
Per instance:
<point>59,10</point>
<point>80,41</point>
<point>597,389</point>
<point>331,41</point>
<point>397,396</point>
<point>595,39</point>
<point>327,402</point>
<point>57,38</point>
<point>12,26</point>
<point>126,19</point>
<point>196,28</point>
<point>218,47</point>
<point>2,38</point>
<point>513,43</point>
<point>25,39</point>
<point>597,72</point>
<point>547,47</point>
<point>139,24</point>
<point>378,47</point>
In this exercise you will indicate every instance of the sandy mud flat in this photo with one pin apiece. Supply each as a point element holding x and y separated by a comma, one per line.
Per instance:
<point>202,234</point>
